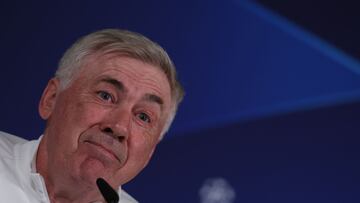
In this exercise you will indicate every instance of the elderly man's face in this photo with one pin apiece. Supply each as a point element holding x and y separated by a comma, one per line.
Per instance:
<point>107,123</point>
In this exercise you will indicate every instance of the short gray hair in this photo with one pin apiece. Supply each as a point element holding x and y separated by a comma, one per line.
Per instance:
<point>127,43</point>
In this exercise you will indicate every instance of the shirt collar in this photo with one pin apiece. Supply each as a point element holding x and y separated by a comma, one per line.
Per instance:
<point>31,181</point>
<point>26,155</point>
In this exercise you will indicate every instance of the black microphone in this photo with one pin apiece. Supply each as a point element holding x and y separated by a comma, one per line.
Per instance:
<point>109,194</point>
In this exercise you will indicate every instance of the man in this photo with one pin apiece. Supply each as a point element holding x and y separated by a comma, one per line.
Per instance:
<point>113,97</point>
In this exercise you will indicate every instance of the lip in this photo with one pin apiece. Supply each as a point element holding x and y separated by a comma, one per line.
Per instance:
<point>107,150</point>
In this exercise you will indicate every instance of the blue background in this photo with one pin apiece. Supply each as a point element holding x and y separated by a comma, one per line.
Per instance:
<point>270,106</point>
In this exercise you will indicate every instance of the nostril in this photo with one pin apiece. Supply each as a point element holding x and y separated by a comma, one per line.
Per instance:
<point>121,138</point>
<point>108,130</point>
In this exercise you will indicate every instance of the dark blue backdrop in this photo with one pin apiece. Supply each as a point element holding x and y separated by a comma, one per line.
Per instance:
<point>270,107</point>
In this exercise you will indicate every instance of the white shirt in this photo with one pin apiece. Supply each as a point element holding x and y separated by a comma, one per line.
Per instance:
<point>19,181</point>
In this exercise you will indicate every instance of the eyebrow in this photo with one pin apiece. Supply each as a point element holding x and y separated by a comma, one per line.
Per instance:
<point>154,98</point>
<point>115,83</point>
<point>147,97</point>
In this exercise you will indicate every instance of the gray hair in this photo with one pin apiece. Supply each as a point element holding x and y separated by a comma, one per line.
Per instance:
<point>127,43</point>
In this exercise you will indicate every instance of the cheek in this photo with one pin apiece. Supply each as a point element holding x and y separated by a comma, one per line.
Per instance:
<point>85,114</point>
<point>72,120</point>
<point>141,146</point>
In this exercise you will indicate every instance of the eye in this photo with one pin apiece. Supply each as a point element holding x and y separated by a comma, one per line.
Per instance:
<point>105,95</point>
<point>144,117</point>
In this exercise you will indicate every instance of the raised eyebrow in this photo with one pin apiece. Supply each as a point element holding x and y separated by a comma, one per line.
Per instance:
<point>154,98</point>
<point>148,97</point>
<point>119,85</point>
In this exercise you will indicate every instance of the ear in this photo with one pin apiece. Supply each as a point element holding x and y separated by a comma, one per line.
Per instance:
<point>48,98</point>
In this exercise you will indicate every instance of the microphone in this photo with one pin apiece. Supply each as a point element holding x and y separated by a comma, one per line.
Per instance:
<point>109,194</point>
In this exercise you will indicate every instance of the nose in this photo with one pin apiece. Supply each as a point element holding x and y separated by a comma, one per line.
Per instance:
<point>117,124</point>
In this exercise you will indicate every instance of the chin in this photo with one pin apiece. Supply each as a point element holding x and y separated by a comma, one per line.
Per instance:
<point>91,170</point>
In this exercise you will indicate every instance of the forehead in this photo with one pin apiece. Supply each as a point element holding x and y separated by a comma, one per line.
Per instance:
<point>121,67</point>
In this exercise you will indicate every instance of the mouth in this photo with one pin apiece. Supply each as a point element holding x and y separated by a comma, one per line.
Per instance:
<point>104,150</point>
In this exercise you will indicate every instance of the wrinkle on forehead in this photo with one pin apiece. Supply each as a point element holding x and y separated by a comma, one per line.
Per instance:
<point>129,67</point>
<point>120,67</point>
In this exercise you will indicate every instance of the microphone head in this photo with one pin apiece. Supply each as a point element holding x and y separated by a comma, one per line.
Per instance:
<point>109,194</point>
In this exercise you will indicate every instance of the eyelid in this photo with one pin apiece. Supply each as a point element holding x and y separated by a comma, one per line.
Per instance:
<point>151,116</point>
<point>112,98</point>
<point>148,118</point>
